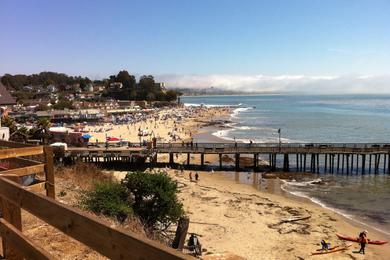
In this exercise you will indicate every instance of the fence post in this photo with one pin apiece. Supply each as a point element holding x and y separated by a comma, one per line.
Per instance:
<point>12,214</point>
<point>49,172</point>
<point>181,233</point>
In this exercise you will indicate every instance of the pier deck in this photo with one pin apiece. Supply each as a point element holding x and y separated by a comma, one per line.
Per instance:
<point>264,148</point>
<point>303,157</point>
<point>324,157</point>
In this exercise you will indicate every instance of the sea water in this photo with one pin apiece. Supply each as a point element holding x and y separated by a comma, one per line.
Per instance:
<point>315,119</point>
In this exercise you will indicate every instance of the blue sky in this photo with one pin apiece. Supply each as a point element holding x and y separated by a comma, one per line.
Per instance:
<point>183,39</point>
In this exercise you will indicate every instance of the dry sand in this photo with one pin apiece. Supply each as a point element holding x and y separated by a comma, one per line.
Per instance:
<point>161,128</point>
<point>237,218</point>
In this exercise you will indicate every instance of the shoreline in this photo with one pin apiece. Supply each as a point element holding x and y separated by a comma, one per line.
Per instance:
<point>232,216</point>
<point>348,216</point>
<point>210,134</point>
<point>219,207</point>
<point>231,208</point>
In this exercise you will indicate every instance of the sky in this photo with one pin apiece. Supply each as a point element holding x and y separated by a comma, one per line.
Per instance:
<point>290,45</point>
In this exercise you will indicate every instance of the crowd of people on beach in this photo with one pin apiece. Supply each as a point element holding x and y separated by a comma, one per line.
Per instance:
<point>164,124</point>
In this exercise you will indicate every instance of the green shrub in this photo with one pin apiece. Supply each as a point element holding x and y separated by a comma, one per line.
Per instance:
<point>154,198</point>
<point>107,198</point>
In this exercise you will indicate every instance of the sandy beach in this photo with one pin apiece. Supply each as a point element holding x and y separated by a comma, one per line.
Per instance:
<point>237,218</point>
<point>167,125</point>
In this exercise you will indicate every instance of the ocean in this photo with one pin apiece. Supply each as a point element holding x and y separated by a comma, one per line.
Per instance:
<point>318,119</point>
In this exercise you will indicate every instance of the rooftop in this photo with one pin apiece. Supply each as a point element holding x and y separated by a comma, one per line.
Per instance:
<point>5,96</point>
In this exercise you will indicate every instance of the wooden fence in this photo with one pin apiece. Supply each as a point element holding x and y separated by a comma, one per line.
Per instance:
<point>98,235</point>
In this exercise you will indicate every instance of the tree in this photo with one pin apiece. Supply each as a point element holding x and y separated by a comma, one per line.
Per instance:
<point>10,123</point>
<point>107,198</point>
<point>44,125</point>
<point>147,85</point>
<point>154,198</point>
<point>171,95</point>
<point>129,85</point>
<point>44,78</point>
<point>41,130</point>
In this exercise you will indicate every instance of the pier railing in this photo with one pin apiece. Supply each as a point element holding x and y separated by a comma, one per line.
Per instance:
<point>273,147</point>
<point>325,157</point>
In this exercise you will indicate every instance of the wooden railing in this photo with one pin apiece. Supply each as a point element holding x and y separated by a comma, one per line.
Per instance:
<point>111,242</point>
<point>272,147</point>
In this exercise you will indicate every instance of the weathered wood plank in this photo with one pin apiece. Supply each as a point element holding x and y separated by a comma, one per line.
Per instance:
<point>11,212</point>
<point>24,170</point>
<point>49,172</point>
<point>25,247</point>
<point>95,233</point>
<point>37,187</point>
<point>11,144</point>
<point>24,151</point>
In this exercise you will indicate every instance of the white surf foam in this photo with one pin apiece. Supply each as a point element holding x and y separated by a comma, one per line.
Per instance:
<point>223,133</point>
<point>205,105</point>
<point>239,110</point>
<point>303,183</point>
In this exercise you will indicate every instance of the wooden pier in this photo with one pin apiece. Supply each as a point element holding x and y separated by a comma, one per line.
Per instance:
<point>348,158</point>
<point>101,154</point>
<point>301,157</point>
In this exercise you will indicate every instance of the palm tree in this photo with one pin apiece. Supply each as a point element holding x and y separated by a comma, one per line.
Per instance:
<point>41,130</point>
<point>10,123</point>
<point>43,125</point>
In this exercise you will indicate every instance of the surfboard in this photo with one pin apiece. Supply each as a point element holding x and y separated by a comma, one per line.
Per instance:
<point>335,249</point>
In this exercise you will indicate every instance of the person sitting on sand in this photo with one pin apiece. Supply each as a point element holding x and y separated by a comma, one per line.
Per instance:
<point>194,245</point>
<point>325,245</point>
<point>363,241</point>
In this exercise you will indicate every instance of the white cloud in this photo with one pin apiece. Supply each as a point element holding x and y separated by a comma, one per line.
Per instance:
<point>283,83</point>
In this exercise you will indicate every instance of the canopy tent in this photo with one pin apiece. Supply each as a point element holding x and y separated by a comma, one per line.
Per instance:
<point>87,136</point>
<point>60,129</point>
<point>59,144</point>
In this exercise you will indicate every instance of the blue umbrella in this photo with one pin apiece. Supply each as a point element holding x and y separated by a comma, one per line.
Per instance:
<point>87,136</point>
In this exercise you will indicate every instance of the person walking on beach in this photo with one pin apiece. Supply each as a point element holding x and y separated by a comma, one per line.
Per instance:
<point>196,176</point>
<point>363,241</point>
<point>190,175</point>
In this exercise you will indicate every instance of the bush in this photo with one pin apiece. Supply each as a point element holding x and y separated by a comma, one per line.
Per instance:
<point>107,198</point>
<point>154,198</point>
<point>151,196</point>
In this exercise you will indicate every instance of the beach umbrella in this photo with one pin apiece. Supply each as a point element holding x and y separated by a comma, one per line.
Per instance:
<point>87,136</point>
<point>112,139</point>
